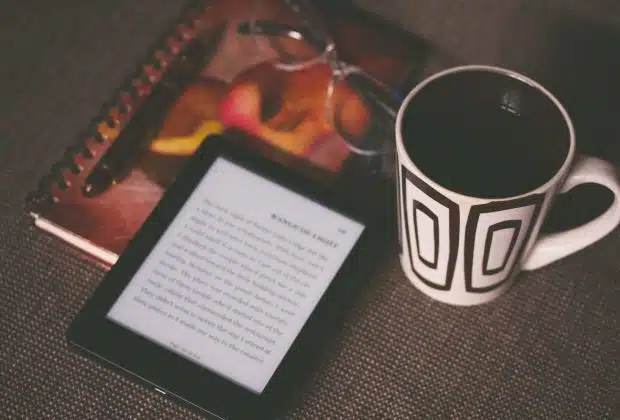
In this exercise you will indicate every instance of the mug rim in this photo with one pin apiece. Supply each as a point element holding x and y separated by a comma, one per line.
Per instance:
<point>403,155</point>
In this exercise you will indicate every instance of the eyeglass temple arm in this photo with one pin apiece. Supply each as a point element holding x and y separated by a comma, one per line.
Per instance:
<point>267,28</point>
<point>273,29</point>
<point>311,20</point>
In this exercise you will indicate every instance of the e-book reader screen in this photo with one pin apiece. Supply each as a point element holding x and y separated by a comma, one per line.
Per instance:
<point>232,280</point>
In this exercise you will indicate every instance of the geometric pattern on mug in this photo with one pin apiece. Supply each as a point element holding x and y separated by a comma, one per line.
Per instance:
<point>398,209</point>
<point>499,246</point>
<point>431,230</point>
<point>495,237</point>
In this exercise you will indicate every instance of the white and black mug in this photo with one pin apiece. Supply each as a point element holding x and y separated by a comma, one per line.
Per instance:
<point>482,153</point>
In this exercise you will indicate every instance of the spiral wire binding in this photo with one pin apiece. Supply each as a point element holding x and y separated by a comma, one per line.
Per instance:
<point>116,112</point>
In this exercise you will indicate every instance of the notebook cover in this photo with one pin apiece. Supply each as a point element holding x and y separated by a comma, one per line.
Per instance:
<point>102,226</point>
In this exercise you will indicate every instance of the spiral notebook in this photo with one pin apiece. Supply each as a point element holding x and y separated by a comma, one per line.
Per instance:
<point>215,100</point>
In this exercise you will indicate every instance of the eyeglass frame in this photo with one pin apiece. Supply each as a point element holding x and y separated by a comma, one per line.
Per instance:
<point>339,69</point>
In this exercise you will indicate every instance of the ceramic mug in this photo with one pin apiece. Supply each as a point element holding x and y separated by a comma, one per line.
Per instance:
<point>482,153</point>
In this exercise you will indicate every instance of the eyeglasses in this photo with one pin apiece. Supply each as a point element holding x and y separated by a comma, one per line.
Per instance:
<point>299,38</point>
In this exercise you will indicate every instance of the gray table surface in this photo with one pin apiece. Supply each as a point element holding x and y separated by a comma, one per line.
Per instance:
<point>548,349</point>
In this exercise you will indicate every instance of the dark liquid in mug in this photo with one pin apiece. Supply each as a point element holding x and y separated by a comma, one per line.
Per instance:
<point>485,134</point>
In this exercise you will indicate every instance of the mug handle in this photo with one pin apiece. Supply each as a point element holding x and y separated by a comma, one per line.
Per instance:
<point>551,247</point>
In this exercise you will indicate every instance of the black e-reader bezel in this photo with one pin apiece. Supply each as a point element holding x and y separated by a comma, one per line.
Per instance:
<point>171,374</point>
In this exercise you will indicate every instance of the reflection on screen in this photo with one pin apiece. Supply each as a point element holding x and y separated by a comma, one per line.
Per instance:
<point>236,274</point>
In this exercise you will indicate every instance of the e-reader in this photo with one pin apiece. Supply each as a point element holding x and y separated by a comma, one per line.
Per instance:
<point>232,285</point>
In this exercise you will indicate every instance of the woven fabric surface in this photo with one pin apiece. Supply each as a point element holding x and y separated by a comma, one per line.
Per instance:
<point>549,349</point>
